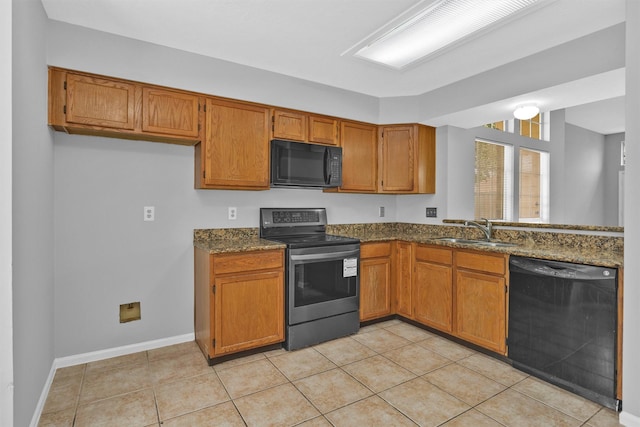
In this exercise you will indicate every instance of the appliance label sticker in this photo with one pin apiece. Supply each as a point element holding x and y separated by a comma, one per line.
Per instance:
<point>350,267</point>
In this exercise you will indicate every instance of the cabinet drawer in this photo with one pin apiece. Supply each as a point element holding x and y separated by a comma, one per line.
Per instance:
<point>437,255</point>
<point>248,261</point>
<point>373,250</point>
<point>481,262</point>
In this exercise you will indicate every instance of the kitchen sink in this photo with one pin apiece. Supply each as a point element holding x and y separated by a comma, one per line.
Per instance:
<point>456,240</point>
<point>476,242</point>
<point>494,244</point>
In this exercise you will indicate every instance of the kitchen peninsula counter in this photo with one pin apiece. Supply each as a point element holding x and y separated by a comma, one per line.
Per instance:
<point>606,251</point>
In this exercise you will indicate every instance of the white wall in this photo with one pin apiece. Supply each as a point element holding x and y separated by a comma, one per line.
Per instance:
<point>411,208</point>
<point>631,336</point>
<point>33,287</point>
<point>584,176</point>
<point>612,169</point>
<point>6,309</point>
<point>586,54</point>
<point>107,255</point>
<point>82,49</point>
<point>456,168</point>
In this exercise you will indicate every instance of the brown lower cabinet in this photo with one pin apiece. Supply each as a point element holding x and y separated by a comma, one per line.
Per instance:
<point>460,292</point>
<point>239,301</point>
<point>481,299</point>
<point>433,287</point>
<point>375,280</point>
<point>403,266</point>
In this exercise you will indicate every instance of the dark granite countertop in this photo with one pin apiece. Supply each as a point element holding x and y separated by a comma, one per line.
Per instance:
<point>598,250</point>
<point>225,240</point>
<point>603,251</point>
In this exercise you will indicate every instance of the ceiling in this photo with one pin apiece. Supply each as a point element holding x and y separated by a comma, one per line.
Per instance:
<point>310,39</point>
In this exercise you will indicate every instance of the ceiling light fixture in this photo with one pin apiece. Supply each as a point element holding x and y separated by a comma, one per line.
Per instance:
<point>443,23</point>
<point>526,112</point>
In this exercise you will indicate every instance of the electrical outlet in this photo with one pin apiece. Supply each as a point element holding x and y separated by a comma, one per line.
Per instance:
<point>233,213</point>
<point>381,211</point>
<point>149,213</point>
<point>432,212</point>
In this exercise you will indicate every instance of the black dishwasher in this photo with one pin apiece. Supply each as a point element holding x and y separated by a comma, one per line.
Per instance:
<point>563,325</point>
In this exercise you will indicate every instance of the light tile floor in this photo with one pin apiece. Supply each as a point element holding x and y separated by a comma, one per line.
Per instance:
<point>389,374</point>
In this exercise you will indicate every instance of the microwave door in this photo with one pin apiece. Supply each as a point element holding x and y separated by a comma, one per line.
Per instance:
<point>327,167</point>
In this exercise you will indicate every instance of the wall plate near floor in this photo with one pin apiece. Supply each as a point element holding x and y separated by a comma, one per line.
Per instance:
<point>129,312</point>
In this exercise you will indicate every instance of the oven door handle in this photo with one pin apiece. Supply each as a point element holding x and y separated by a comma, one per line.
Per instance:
<point>325,257</point>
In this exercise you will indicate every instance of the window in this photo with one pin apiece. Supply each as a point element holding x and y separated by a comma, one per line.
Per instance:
<point>493,181</point>
<point>533,202</point>
<point>494,175</point>
<point>504,125</point>
<point>536,127</point>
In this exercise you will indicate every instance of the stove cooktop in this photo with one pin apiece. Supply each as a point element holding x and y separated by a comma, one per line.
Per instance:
<point>299,227</point>
<point>305,241</point>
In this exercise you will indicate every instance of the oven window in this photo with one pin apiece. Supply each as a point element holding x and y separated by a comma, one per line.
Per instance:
<point>322,281</point>
<point>301,166</point>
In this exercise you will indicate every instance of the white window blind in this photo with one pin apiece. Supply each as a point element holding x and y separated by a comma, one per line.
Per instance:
<point>534,186</point>
<point>493,181</point>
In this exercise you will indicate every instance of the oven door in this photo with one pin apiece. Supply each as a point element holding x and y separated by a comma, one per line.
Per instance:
<point>322,282</point>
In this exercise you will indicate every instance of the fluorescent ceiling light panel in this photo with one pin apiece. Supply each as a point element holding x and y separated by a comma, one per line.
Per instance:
<point>444,22</point>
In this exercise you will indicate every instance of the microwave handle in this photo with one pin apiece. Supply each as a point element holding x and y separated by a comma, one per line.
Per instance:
<point>327,166</point>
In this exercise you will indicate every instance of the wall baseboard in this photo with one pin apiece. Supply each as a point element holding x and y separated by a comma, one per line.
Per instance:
<point>629,420</point>
<point>63,362</point>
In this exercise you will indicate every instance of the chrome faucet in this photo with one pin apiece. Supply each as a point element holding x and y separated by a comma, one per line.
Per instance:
<point>487,229</point>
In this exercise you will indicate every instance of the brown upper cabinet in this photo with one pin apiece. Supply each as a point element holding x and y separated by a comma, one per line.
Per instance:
<point>232,137</point>
<point>169,112</point>
<point>398,159</point>
<point>235,151</point>
<point>99,102</point>
<point>95,105</point>
<point>305,127</point>
<point>290,125</point>
<point>406,159</point>
<point>359,157</point>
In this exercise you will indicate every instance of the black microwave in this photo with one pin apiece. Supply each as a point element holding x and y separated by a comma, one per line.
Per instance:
<point>302,165</point>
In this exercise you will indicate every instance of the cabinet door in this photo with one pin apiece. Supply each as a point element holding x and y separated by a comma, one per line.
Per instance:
<point>481,309</point>
<point>375,288</point>
<point>100,102</point>
<point>236,145</point>
<point>403,282</point>
<point>323,130</point>
<point>397,159</point>
<point>359,157</point>
<point>433,295</point>
<point>289,125</point>
<point>249,311</point>
<point>169,112</point>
